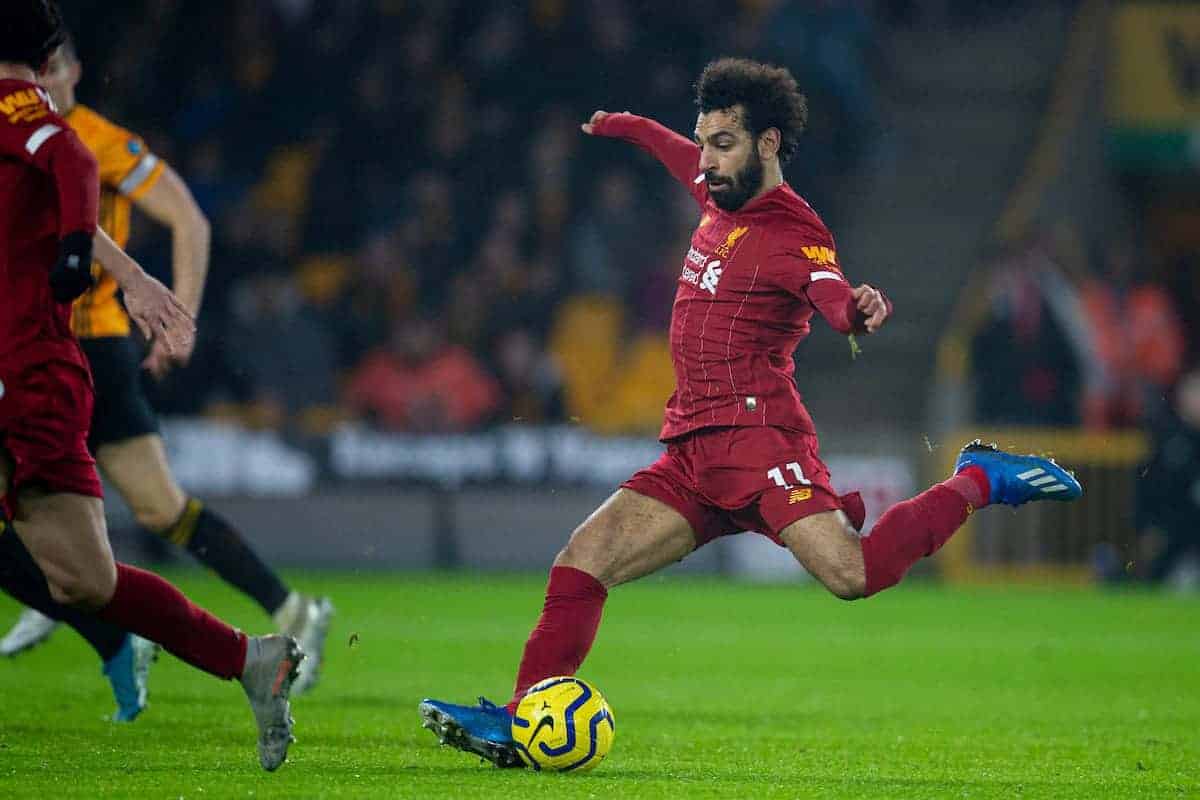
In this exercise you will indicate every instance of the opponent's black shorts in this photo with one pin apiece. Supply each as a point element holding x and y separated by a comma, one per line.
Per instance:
<point>122,410</point>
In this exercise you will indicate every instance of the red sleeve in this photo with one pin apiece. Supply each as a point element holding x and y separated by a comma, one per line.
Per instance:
<point>681,156</point>
<point>31,132</point>
<point>808,265</point>
<point>838,307</point>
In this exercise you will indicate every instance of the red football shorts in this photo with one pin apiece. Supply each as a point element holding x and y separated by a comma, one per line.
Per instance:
<point>729,480</point>
<point>45,413</point>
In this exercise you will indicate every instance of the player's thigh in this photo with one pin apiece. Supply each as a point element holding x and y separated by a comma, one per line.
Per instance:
<point>827,545</point>
<point>66,535</point>
<point>629,536</point>
<point>139,470</point>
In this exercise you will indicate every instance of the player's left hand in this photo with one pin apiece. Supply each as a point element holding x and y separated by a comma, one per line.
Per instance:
<point>589,127</point>
<point>159,361</point>
<point>870,302</point>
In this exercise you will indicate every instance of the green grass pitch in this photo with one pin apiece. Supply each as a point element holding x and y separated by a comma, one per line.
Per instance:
<point>719,690</point>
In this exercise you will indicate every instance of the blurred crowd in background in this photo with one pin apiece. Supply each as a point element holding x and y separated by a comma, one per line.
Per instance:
<point>409,225</point>
<point>1066,333</point>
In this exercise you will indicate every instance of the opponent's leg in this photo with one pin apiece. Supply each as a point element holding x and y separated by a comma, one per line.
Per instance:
<point>32,626</point>
<point>126,658</point>
<point>629,536</point>
<point>139,470</point>
<point>65,534</point>
<point>851,566</point>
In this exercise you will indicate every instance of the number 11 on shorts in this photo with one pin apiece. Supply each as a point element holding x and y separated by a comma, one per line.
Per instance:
<point>776,474</point>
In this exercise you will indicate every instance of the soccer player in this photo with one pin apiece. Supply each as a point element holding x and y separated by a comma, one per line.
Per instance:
<point>741,449</point>
<point>49,203</point>
<point>124,437</point>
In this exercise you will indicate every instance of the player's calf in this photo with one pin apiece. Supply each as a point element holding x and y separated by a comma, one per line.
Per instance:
<point>78,589</point>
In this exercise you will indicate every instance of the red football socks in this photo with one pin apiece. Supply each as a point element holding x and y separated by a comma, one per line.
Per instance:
<point>972,483</point>
<point>152,608</point>
<point>565,631</point>
<point>916,528</point>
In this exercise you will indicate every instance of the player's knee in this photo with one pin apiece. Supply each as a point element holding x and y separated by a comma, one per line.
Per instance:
<point>573,554</point>
<point>87,589</point>
<point>844,581</point>
<point>581,553</point>
<point>158,514</point>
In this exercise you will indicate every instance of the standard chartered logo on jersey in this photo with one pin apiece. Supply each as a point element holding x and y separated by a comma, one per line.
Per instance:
<point>707,279</point>
<point>712,274</point>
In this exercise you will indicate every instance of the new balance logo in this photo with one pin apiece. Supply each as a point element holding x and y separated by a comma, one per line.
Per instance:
<point>712,274</point>
<point>799,496</point>
<point>1047,484</point>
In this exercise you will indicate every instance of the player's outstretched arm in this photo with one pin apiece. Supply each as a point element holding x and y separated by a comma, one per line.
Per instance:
<point>170,202</point>
<point>681,156</point>
<point>158,313</point>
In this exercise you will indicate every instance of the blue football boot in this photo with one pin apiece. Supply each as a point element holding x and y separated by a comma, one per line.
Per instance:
<point>1016,480</point>
<point>129,672</point>
<point>485,729</point>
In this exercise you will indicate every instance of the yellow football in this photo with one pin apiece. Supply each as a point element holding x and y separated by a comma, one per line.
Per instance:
<point>563,724</point>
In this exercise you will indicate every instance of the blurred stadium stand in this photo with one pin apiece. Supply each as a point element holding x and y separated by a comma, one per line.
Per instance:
<point>406,218</point>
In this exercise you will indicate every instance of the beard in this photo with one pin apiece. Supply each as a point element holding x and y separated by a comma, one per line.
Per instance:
<point>744,185</point>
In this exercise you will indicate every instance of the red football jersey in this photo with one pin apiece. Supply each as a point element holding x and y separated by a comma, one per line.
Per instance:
<point>48,188</point>
<point>748,288</point>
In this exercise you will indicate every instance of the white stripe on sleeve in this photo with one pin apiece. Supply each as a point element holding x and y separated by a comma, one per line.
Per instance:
<point>39,138</point>
<point>138,175</point>
<point>820,275</point>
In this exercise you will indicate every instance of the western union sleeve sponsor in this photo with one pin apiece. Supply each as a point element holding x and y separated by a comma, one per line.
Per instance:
<point>821,256</point>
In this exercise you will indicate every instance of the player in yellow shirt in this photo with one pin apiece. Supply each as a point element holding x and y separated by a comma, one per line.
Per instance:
<point>124,437</point>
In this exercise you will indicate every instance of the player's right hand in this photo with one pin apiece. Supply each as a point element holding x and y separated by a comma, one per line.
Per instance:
<point>159,361</point>
<point>71,275</point>
<point>589,127</point>
<point>159,315</point>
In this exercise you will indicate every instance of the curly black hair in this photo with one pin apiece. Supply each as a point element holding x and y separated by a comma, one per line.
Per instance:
<point>30,30</point>
<point>769,94</point>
